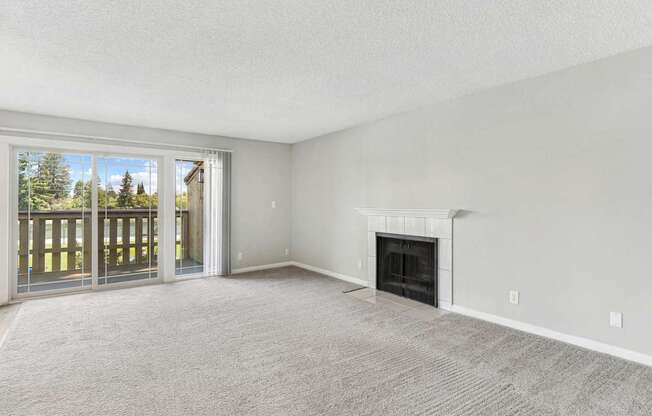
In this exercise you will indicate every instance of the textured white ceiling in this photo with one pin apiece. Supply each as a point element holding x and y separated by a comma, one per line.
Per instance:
<point>289,70</point>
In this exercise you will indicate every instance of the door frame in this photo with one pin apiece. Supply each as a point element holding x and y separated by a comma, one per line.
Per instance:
<point>14,232</point>
<point>96,215</point>
<point>166,208</point>
<point>203,273</point>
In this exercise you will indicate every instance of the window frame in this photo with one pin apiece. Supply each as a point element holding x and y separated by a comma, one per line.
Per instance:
<point>166,209</point>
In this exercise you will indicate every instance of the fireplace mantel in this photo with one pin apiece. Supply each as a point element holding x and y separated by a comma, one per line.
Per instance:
<point>443,214</point>
<point>420,222</point>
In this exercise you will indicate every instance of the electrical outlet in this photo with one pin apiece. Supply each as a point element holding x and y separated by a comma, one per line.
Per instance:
<point>273,204</point>
<point>616,319</point>
<point>359,264</point>
<point>240,256</point>
<point>287,252</point>
<point>513,297</point>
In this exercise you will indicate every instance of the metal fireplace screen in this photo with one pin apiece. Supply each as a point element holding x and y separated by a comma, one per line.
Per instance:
<point>407,266</point>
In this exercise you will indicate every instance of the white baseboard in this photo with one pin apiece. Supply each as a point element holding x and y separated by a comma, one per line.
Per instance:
<point>549,333</point>
<point>346,278</point>
<point>510,323</point>
<point>444,304</point>
<point>340,276</point>
<point>261,267</point>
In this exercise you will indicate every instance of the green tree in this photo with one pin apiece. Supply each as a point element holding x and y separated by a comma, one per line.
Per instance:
<point>125,196</point>
<point>108,198</point>
<point>55,173</point>
<point>181,201</point>
<point>78,189</point>
<point>141,201</point>
<point>110,192</point>
<point>83,192</point>
<point>153,199</point>
<point>25,176</point>
<point>43,181</point>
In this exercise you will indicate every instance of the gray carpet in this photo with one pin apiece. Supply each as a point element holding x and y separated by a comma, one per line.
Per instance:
<point>289,342</point>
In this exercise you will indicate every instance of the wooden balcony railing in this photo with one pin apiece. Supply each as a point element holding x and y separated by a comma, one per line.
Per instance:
<point>127,238</point>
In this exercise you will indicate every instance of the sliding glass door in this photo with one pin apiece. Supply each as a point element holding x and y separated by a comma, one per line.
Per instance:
<point>54,221</point>
<point>189,206</point>
<point>89,218</point>
<point>127,198</point>
<point>57,204</point>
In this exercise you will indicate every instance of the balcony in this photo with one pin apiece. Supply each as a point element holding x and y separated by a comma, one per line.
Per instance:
<point>59,256</point>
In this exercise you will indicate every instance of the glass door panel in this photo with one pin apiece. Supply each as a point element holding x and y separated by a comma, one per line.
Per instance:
<point>54,221</point>
<point>189,217</point>
<point>127,219</point>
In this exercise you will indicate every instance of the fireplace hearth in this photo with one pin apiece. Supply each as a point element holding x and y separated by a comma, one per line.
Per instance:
<point>407,266</point>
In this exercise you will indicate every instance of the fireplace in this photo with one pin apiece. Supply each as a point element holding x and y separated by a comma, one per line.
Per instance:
<point>434,223</point>
<point>407,266</point>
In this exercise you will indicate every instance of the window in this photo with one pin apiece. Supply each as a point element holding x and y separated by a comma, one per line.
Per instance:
<point>85,219</point>
<point>189,205</point>
<point>54,221</point>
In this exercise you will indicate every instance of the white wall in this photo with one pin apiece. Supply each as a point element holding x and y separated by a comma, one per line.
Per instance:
<point>554,175</point>
<point>261,173</point>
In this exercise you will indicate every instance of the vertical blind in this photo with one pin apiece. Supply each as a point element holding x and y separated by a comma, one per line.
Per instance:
<point>217,213</point>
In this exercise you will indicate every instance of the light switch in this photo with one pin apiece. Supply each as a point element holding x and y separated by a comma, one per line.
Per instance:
<point>616,319</point>
<point>513,297</point>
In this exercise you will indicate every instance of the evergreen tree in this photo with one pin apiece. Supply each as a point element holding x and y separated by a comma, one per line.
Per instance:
<point>107,198</point>
<point>43,180</point>
<point>110,193</point>
<point>54,174</point>
<point>78,189</point>
<point>125,196</point>
<point>83,192</point>
<point>24,177</point>
<point>79,194</point>
<point>142,199</point>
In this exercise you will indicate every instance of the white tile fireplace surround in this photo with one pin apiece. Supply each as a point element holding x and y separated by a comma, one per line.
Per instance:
<point>436,223</point>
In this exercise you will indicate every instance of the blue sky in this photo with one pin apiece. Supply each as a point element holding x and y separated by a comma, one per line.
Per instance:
<point>112,169</point>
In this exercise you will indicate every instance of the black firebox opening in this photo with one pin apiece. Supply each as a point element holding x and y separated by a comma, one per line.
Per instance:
<point>407,266</point>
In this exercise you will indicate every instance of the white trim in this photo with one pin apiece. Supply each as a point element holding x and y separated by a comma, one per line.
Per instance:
<point>444,214</point>
<point>9,227</point>
<point>510,323</point>
<point>444,304</point>
<point>17,297</point>
<point>325,272</point>
<point>190,276</point>
<point>262,267</point>
<point>131,283</point>
<point>81,146</point>
<point>549,333</point>
<point>339,276</point>
<point>95,244</point>
<point>103,139</point>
